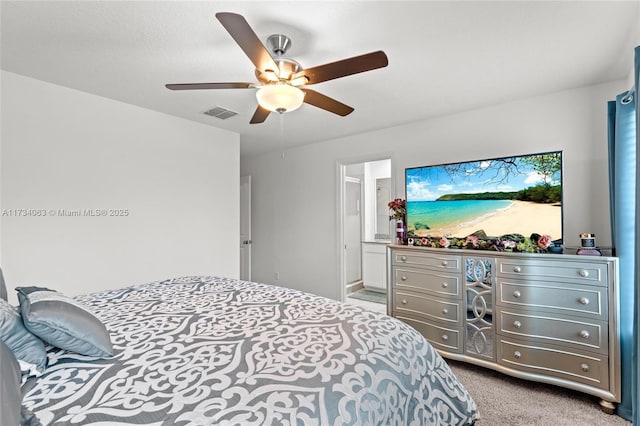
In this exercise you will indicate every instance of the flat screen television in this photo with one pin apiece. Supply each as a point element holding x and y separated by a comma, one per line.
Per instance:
<point>500,196</point>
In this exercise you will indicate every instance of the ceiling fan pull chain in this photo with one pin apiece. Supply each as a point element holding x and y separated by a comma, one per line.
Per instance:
<point>282,134</point>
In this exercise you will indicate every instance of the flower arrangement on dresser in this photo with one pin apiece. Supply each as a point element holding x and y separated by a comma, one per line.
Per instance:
<point>398,209</point>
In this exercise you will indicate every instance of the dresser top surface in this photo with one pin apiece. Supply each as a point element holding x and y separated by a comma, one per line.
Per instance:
<point>505,254</point>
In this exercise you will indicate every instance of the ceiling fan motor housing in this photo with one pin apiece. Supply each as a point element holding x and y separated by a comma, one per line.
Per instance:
<point>286,68</point>
<point>279,44</point>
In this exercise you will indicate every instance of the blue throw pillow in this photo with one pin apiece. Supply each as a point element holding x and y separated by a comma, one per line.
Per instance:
<point>27,348</point>
<point>63,322</point>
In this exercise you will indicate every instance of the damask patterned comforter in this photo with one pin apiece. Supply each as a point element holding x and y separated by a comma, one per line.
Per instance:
<point>218,351</point>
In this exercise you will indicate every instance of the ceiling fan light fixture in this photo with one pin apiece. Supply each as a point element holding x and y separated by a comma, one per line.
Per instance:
<point>280,97</point>
<point>271,75</point>
<point>299,81</point>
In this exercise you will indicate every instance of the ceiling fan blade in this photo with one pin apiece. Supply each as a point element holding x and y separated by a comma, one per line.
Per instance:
<point>260,115</point>
<point>322,101</point>
<point>343,68</point>
<point>248,41</point>
<point>198,86</point>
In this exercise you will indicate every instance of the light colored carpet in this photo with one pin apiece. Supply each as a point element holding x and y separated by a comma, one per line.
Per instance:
<point>375,307</point>
<point>504,400</point>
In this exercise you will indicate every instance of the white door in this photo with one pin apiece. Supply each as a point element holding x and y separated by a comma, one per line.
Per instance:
<point>245,228</point>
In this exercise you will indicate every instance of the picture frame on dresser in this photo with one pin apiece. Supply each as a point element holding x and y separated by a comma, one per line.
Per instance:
<point>550,318</point>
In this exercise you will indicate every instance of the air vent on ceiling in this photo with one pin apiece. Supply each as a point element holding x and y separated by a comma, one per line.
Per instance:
<point>221,113</point>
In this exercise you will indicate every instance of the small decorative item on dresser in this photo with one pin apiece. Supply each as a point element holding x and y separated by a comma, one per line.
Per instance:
<point>398,210</point>
<point>588,245</point>
<point>587,240</point>
<point>400,234</point>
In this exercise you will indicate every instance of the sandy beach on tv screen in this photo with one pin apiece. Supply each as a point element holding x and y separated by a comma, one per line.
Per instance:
<point>523,217</point>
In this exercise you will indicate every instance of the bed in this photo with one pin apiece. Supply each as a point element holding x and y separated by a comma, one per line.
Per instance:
<point>219,351</point>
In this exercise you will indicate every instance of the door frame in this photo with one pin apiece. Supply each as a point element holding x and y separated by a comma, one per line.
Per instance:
<point>347,180</point>
<point>341,165</point>
<point>245,210</point>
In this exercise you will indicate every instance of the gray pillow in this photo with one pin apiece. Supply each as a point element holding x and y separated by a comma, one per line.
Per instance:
<point>12,412</point>
<point>63,322</point>
<point>11,401</point>
<point>3,287</point>
<point>27,348</point>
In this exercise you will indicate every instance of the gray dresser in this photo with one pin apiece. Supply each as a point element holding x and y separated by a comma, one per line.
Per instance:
<point>550,318</point>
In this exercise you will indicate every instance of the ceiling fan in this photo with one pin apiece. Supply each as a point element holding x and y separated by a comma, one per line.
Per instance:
<point>282,81</point>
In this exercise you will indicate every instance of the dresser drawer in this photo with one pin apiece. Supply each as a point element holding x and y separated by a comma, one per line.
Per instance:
<point>427,281</point>
<point>583,367</point>
<point>440,337</point>
<point>575,272</point>
<point>427,260</point>
<point>568,331</point>
<point>429,308</point>
<point>569,299</point>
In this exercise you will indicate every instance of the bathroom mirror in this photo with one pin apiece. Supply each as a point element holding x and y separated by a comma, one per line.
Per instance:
<point>383,196</point>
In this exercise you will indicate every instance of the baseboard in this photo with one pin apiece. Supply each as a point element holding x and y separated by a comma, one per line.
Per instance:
<point>355,286</point>
<point>375,290</point>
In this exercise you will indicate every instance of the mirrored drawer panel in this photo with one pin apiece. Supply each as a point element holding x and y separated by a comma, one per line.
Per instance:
<point>567,331</point>
<point>427,260</point>
<point>444,338</point>
<point>426,281</point>
<point>567,299</point>
<point>583,367</point>
<point>576,272</point>
<point>420,306</point>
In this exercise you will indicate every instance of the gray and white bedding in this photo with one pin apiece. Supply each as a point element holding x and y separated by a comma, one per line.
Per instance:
<point>218,351</point>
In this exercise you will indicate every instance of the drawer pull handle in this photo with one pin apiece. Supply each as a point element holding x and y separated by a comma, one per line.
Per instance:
<point>583,301</point>
<point>445,285</point>
<point>585,367</point>
<point>444,263</point>
<point>516,294</point>
<point>403,278</point>
<point>517,355</point>
<point>445,311</point>
<point>403,258</point>
<point>517,324</point>
<point>517,269</point>
<point>583,273</point>
<point>445,337</point>
<point>584,334</point>
<point>404,301</point>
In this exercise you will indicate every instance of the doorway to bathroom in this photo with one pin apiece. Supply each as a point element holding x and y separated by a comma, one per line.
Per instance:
<point>366,189</point>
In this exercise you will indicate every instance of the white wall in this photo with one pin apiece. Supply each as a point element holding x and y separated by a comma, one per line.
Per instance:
<point>65,149</point>
<point>295,203</point>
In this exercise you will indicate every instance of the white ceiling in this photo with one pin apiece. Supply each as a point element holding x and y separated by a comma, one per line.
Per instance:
<point>444,57</point>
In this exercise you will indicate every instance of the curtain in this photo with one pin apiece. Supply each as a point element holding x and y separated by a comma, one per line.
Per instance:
<point>624,139</point>
<point>635,367</point>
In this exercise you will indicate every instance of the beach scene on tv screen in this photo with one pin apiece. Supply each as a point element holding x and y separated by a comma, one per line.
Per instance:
<point>521,195</point>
